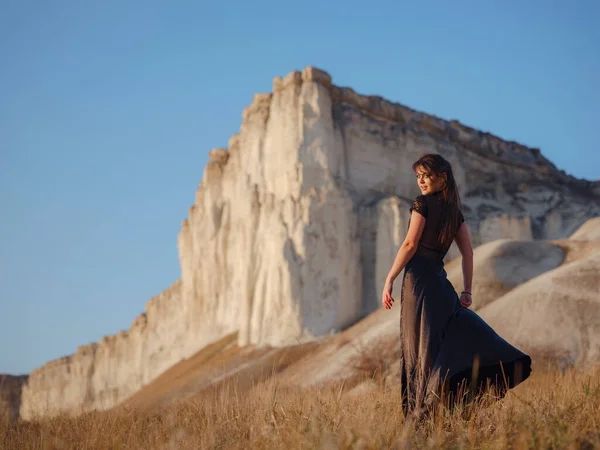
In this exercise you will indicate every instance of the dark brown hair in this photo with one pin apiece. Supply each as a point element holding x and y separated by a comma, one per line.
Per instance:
<point>434,164</point>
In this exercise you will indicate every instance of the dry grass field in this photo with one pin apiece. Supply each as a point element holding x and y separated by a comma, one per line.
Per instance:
<point>552,409</point>
<point>229,397</point>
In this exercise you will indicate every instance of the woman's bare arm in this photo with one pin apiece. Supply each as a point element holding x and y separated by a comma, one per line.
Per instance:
<point>463,242</point>
<point>405,253</point>
<point>408,247</point>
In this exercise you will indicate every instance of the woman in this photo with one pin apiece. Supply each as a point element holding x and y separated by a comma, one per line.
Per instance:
<point>444,345</point>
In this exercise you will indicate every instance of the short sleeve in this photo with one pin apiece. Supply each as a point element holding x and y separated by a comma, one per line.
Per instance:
<point>419,205</point>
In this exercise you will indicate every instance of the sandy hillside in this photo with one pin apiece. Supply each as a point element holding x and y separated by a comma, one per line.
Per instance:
<point>558,312</point>
<point>589,231</point>
<point>501,265</point>
<point>217,365</point>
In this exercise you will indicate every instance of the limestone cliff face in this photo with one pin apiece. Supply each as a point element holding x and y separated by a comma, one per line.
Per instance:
<point>296,223</point>
<point>10,395</point>
<point>99,375</point>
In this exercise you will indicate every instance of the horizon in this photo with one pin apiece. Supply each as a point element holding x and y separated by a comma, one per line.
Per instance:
<point>110,112</point>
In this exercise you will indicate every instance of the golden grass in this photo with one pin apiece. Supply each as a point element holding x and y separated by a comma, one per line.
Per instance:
<point>550,410</point>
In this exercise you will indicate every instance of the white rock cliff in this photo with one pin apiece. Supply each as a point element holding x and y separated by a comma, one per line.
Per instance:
<point>295,225</point>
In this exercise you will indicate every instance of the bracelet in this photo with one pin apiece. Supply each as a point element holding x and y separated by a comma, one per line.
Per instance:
<point>465,292</point>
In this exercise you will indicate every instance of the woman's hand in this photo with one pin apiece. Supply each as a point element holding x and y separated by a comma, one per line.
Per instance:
<point>466,300</point>
<point>386,298</point>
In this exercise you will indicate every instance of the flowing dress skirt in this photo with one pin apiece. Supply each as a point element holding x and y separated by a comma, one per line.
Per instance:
<point>441,341</point>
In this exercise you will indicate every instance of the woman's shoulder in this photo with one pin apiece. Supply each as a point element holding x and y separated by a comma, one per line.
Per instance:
<point>420,204</point>
<point>422,199</point>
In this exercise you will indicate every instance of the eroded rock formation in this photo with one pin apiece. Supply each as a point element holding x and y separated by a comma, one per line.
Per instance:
<point>10,395</point>
<point>296,223</point>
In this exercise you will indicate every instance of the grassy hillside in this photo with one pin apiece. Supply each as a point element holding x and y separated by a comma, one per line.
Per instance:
<point>552,409</point>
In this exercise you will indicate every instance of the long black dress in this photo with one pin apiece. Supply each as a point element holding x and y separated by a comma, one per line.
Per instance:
<point>441,341</point>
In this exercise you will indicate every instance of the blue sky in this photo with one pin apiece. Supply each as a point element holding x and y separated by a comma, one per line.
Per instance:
<point>108,110</point>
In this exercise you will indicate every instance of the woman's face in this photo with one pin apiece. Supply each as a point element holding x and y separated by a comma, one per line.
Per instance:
<point>428,183</point>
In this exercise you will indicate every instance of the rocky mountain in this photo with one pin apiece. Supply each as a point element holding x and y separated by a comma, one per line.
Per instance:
<point>295,225</point>
<point>10,395</point>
